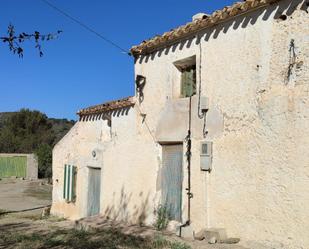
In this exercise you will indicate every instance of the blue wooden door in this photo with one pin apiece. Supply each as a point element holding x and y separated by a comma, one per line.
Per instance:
<point>94,191</point>
<point>172,177</point>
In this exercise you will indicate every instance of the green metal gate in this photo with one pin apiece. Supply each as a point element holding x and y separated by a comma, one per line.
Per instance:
<point>13,166</point>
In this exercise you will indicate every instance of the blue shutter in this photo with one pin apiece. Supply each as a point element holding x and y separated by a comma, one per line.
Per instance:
<point>69,183</point>
<point>65,181</point>
<point>73,188</point>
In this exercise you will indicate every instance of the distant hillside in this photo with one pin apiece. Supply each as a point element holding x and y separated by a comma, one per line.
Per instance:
<point>60,127</point>
<point>4,116</point>
<point>30,131</point>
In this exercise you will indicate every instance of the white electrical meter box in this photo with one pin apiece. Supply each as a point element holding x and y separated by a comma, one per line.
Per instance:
<point>206,156</point>
<point>204,104</point>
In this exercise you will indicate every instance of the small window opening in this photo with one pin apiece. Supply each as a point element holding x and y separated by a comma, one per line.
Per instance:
<point>187,68</point>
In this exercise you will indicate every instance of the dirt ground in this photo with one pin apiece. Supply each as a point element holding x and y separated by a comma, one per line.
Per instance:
<point>28,230</point>
<point>17,195</point>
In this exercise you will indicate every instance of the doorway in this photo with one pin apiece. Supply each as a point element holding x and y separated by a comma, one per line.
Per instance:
<point>94,191</point>
<point>172,178</point>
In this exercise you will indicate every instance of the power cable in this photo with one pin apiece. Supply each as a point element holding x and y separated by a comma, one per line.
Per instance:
<point>148,128</point>
<point>85,26</point>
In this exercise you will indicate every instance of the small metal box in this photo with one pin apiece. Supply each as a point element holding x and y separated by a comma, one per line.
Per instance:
<point>206,156</point>
<point>204,104</point>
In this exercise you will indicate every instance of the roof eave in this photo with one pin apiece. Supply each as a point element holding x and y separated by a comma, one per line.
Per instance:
<point>107,107</point>
<point>215,19</point>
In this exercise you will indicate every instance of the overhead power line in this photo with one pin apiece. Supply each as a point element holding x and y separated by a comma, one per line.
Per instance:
<point>85,26</point>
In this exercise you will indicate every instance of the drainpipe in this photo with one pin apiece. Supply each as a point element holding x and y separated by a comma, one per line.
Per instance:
<point>188,155</point>
<point>207,177</point>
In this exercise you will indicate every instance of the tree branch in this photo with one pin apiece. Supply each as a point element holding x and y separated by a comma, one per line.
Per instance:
<point>15,41</point>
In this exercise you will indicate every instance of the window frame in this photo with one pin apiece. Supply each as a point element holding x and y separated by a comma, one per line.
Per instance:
<point>186,89</point>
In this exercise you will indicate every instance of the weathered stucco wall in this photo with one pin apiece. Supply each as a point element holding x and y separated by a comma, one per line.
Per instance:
<point>261,156</point>
<point>260,165</point>
<point>128,158</point>
<point>130,169</point>
<point>76,149</point>
<point>258,122</point>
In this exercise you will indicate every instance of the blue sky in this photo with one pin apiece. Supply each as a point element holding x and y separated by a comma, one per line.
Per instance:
<point>79,69</point>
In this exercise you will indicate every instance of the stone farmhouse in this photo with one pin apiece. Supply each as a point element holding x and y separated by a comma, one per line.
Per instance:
<point>217,132</point>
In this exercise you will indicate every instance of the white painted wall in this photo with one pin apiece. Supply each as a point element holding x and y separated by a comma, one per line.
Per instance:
<point>76,149</point>
<point>260,169</point>
<point>258,123</point>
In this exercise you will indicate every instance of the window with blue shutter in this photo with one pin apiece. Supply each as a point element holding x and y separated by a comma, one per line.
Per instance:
<point>69,183</point>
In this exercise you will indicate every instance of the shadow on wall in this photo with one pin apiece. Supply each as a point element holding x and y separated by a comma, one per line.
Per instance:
<point>121,211</point>
<point>106,115</point>
<point>282,10</point>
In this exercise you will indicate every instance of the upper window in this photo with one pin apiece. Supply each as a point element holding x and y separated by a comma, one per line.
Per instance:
<point>188,82</point>
<point>187,69</point>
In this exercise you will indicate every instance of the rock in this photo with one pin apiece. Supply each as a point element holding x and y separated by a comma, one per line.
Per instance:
<point>200,235</point>
<point>212,240</point>
<point>209,235</point>
<point>221,233</point>
<point>230,241</point>
<point>172,226</point>
<point>186,232</point>
<point>45,212</point>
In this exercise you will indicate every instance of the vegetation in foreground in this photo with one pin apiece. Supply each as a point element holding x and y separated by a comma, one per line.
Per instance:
<point>2,212</point>
<point>80,239</point>
<point>162,218</point>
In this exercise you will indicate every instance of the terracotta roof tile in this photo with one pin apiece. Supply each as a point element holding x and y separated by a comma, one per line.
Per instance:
<point>107,106</point>
<point>174,35</point>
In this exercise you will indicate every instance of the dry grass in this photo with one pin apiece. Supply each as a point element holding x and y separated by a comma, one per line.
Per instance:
<point>80,239</point>
<point>2,213</point>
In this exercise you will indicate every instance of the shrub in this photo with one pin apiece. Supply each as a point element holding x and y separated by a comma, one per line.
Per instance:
<point>44,154</point>
<point>178,245</point>
<point>160,242</point>
<point>162,217</point>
